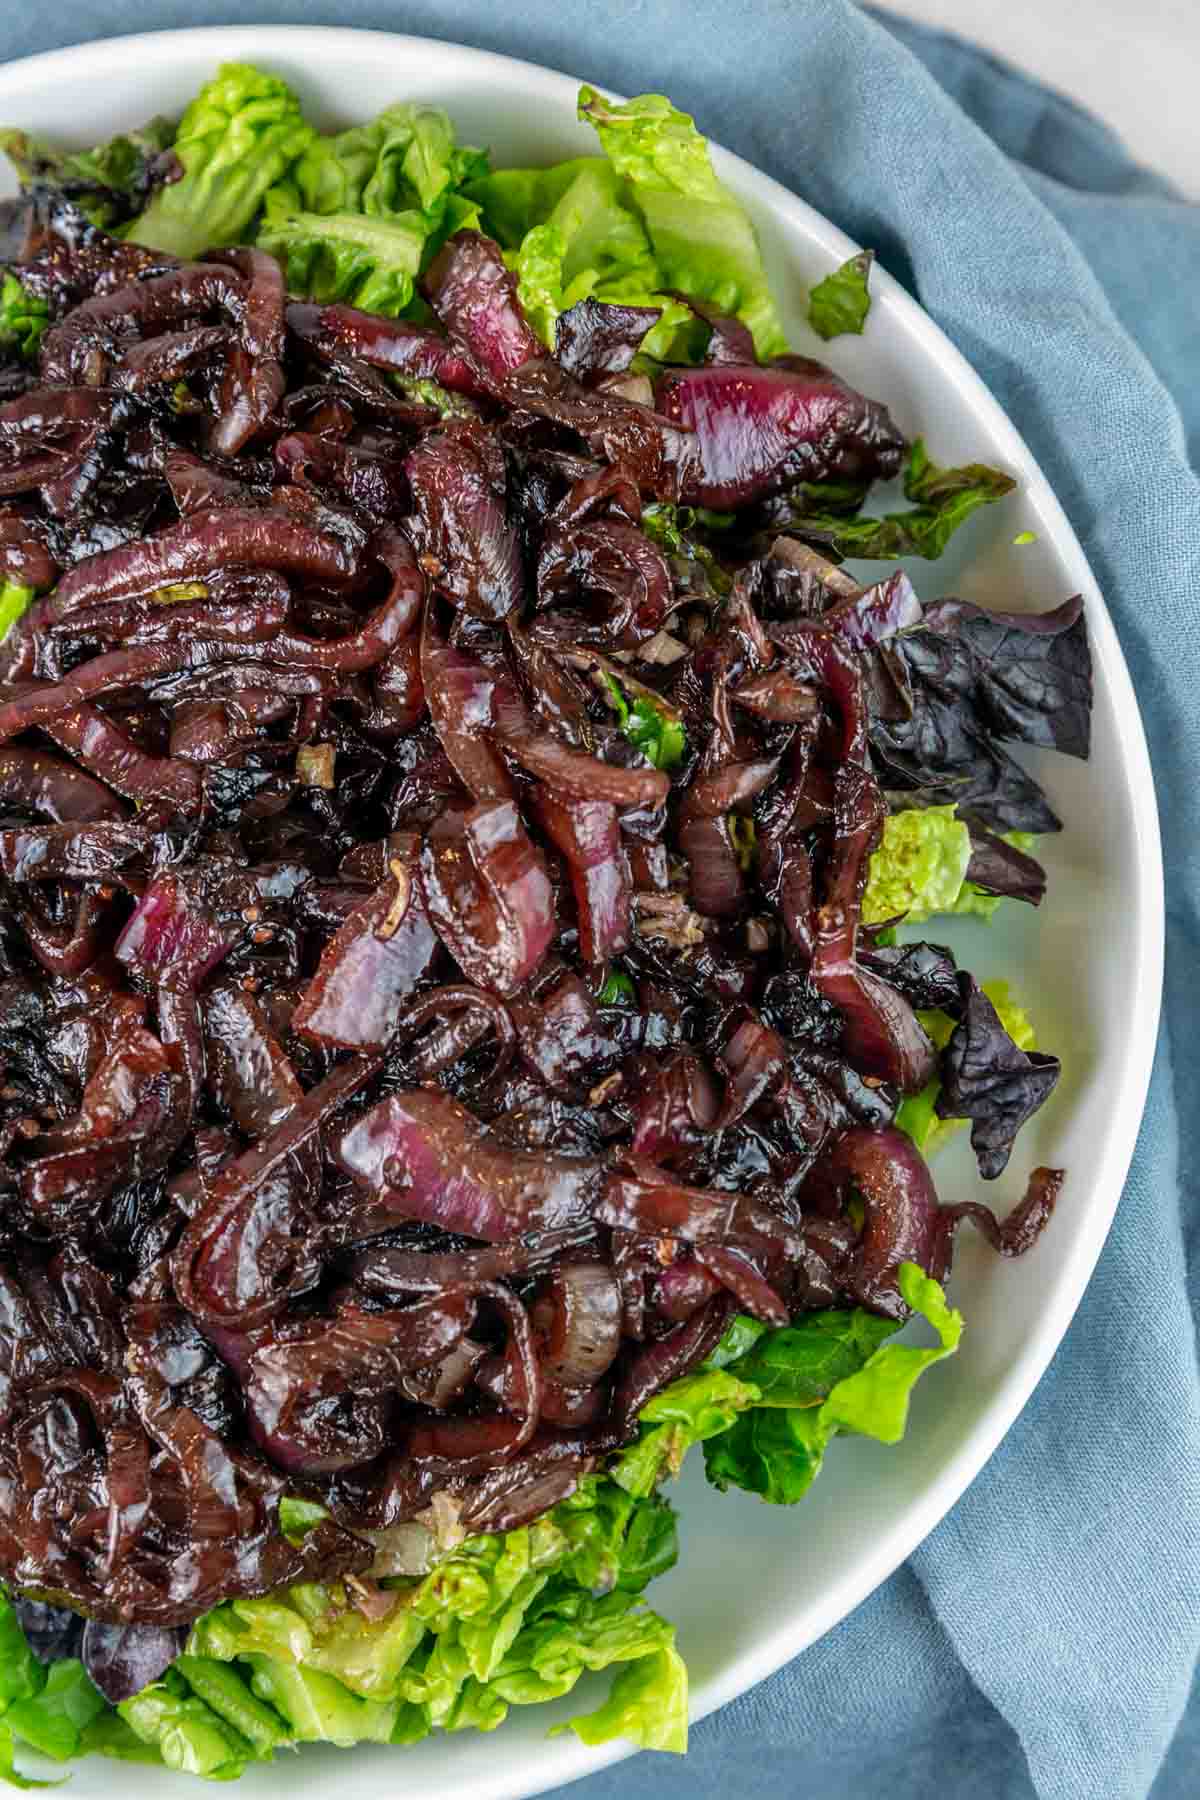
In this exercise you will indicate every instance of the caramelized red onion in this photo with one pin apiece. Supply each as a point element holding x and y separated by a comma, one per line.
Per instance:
<point>405,1078</point>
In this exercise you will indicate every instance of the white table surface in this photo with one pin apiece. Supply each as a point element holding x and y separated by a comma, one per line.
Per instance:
<point>1136,63</point>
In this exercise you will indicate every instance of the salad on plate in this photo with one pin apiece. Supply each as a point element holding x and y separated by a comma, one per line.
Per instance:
<point>472,1019</point>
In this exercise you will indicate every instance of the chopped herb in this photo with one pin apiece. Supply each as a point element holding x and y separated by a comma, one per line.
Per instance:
<point>657,733</point>
<point>618,990</point>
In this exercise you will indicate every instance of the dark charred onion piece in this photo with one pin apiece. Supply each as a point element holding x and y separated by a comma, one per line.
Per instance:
<point>734,1270</point>
<point>253,382</point>
<point>682,1288</point>
<point>762,429</point>
<point>40,782</point>
<point>474,294</point>
<point>595,338</point>
<point>460,693</point>
<point>561,1036</point>
<point>578,1317</point>
<point>236,1263</point>
<point>102,747</point>
<point>657,453</point>
<point>388,1270</point>
<point>902,1221</point>
<point>168,358</point>
<point>652,1203</point>
<point>608,558</point>
<point>363,477</point>
<point>672,1357</point>
<point>132,1117</point>
<point>339,331</point>
<point>468,547</point>
<point>440,1002</point>
<point>778,696</point>
<point>420,1155</point>
<point>267,539</point>
<point>369,968</point>
<point>72,852</point>
<point>1017,1233</point>
<point>587,833</point>
<point>488,895</point>
<point>71,948</point>
<point>247,1069</point>
<point>677,1105</point>
<point>171,936</point>
<point>357,1351</point>
<point>101,326</point>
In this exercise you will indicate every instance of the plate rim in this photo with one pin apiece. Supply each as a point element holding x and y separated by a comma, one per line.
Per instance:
<point>921,1516</point>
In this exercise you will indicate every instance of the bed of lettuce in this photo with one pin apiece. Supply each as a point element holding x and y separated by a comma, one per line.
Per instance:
<point>512,1620</point>
<point>500,1621</point>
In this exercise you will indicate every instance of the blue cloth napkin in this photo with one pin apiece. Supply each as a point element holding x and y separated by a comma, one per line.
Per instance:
<point>1044,1639</point>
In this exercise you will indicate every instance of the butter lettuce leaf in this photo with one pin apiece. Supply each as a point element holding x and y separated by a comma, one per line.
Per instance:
<point>362,211</point>
<point>919,866</point>
<point>832,1373</point>
<point>689,1411</point>
<point>701,236</point>
<point>240,135</point>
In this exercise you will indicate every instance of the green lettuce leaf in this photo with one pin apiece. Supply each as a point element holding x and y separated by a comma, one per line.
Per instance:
<point>23,319</point>
<point>917,1114</point>
<point>841,302</point>
<point>832,1373</point>
<point>363,211</point>
<point>919,866</point>
<point>690,1411</point>
<point>53,1721</point>
<point>647,1704</point>
<point>188,1736</point>
<point>702,240</point>
<point>21,1674</point>
<point>944,499</point>
<point>919,869</point>
<point>571,233</point>
<point>237,139</point>
<point>500,1620</point>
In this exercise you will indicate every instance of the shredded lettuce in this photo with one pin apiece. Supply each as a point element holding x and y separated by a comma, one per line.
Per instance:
<point>240,135</point>
<point>917,1115</point>
<point>841,302</point>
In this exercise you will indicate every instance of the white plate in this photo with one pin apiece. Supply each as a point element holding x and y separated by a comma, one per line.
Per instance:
<point>756,1584</point>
